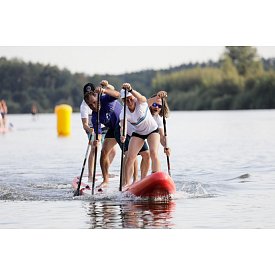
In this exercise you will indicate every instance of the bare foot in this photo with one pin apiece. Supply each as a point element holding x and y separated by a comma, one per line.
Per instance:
<point>90,179</point>
<point>102,185</point>
<point>125,187</point>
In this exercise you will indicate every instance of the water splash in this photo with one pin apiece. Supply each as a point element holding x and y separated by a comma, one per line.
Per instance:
<point>193,189</point>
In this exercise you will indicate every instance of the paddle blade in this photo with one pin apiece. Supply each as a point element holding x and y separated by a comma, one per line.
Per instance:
<point>76,193</point>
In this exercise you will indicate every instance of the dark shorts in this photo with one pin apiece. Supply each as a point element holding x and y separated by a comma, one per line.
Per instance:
<point>144,136</point>
<point>110,133</point>
<point>126,144</point>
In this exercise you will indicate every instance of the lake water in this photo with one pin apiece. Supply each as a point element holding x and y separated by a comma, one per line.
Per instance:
<point>223,164</point>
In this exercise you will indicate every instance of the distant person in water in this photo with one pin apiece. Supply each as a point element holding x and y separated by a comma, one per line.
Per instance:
<point>4,113</point>
<point>158,111</point>
<point>34,109</point>
<point>1,118</point>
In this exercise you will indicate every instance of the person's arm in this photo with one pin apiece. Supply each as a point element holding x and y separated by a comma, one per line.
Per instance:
<point>84,112</point>
<point>123,137</point>
<point>137,95</point>
<point>160,94</point>
<point>86,126</point>
<point>107,91</point>
<point>94,121</point>
<point>121,121</point>
<point>163,142</point>
<point>162,137</point>
<point>97,142</point>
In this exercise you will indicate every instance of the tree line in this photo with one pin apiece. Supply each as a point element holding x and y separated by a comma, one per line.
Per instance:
<point>239,80</point>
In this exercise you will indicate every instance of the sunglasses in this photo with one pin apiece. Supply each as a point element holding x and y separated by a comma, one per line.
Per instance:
<point>155,105</point>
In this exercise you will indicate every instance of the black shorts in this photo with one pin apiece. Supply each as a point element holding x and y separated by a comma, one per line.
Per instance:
<point>126,143</point>
<point>144,136</point>
<point>110,133</point>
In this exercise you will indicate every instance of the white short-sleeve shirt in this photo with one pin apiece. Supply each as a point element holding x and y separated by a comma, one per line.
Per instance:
<point>141,119</point>
<point>159,121</point>
<point>86,112</point>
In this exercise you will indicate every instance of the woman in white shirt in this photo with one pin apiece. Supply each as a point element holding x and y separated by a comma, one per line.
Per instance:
<point>144,128</point>
<point>158,111</point>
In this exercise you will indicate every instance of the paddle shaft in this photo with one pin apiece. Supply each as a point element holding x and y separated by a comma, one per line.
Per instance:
<point>165,134</point>
<point>83,167</point>
<point>96,137</point>
<point>123,144</point>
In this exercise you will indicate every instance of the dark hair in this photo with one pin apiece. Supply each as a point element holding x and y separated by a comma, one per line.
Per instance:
<point>165,108</point>
<point>86,97</point>
<point>89,87</point>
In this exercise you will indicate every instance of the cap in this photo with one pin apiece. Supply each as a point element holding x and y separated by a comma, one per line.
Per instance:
<point>122,93</point>
<point>89,87</point>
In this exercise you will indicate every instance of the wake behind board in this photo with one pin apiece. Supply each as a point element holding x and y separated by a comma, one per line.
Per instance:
<point>155,185</point>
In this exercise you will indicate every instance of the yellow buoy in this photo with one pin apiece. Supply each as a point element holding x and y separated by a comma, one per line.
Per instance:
<point>63,114</point>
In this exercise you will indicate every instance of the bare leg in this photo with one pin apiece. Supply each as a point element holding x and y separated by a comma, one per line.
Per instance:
<point>112,154</point>
<point>135,169</point>
<point>107,146</point>
<point>134,147</point>
<point>153,142</point>
<point>145,163</point>
<point>135,174</point>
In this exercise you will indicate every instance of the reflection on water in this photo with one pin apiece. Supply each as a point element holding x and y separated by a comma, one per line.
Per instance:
<point>131,215</point>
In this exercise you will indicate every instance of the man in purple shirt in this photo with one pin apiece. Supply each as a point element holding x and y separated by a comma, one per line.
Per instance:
<point>109,110</point>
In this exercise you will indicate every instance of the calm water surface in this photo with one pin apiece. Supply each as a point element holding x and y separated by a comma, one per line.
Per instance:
<point>223,164</point>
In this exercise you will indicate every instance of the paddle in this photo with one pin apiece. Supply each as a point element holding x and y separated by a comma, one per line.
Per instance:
<point>76,193</point>
<point>123,144</point>
<point>165,133</point>
<point>96,137</point>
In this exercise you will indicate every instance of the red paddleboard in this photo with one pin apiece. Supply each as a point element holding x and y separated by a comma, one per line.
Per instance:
<point>155,185</point>
<point>84,187</point>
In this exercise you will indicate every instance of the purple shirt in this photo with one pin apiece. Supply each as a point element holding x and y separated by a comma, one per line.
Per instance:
<point>110,109</point>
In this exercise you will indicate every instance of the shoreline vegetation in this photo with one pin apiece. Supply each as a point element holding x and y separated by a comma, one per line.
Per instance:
<point>240,80</point>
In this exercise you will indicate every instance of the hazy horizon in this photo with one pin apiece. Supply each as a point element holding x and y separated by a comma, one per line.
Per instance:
<point>119,59</point>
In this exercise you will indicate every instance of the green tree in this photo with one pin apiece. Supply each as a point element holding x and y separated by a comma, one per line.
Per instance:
<point>245,59</point>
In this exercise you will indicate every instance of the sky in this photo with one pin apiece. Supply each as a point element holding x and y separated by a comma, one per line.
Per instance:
<point>119,59</point>
<point>114,37</point>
